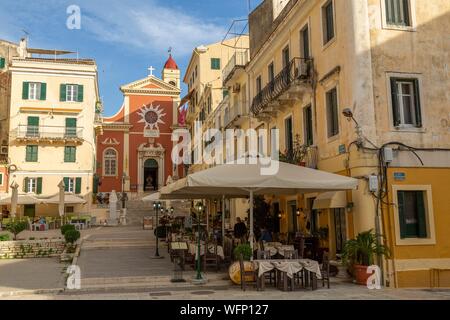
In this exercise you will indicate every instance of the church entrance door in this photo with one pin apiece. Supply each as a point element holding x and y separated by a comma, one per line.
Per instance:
<point>150,175</point>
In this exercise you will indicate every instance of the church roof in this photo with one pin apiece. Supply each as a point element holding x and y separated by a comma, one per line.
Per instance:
<point>171,64</point>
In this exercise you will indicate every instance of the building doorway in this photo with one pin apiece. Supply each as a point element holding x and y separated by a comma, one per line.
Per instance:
<point>311,225</point>
<point>276,220</point>
<point>340,228</point>
<point>150,175</point>
<point>29,210</point>
<point>292,211</point>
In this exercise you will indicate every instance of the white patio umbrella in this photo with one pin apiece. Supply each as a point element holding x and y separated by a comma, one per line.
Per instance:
<point>68,199</point>
<point>247,179</point>
<point>61,205</point>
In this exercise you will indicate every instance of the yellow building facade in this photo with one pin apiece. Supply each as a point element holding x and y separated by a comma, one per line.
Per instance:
<point>360,87</point>
<point>54,115</point>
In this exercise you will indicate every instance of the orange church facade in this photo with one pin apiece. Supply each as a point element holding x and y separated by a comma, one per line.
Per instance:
<point>134,151</point>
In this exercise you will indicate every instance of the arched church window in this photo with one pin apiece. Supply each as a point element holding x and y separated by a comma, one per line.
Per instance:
<point>173,83</point>
<point>110,162</point>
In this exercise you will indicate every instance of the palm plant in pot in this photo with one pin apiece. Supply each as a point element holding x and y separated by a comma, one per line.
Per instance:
<point>360,253</point>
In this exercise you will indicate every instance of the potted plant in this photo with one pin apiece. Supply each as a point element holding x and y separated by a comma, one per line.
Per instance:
<point>360,253</point>
<point>246,251</point>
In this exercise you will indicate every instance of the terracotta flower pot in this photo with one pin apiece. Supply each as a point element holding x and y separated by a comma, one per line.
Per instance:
<point>361,274</point>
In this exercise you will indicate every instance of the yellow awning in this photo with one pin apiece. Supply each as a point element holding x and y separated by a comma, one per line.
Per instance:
<point>334,199</point>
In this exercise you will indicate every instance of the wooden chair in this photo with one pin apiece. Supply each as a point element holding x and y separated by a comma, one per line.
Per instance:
<point>211,259</point>
<point>244,273</point>
<point>271,275</point>
<point>325,270</point>
<point>301,248</point>
<point>290,254</point>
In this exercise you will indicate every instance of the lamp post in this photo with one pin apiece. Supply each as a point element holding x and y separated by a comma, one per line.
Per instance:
<point>157,206</point>
<point>124,177</point>
<point>198,279</point>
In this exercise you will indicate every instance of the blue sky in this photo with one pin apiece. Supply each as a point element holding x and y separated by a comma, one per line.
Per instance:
<point>124,37</point>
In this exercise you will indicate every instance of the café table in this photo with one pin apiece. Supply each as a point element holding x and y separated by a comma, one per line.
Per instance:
<point>288,268</point>
<point>193,249</point>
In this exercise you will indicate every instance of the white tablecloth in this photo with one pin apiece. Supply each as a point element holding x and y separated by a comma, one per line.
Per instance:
<point>291,267</point>
<point>193,249</point>
<point>275,248</point>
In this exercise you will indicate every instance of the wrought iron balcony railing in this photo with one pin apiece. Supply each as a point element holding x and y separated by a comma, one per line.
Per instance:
<point>238,60</point>
<point>297,71</point>
<point>25,132</point>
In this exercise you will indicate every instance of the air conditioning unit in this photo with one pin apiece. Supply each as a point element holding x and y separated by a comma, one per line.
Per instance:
<point>236,88</point>
<point>4,150</point>
<point>303,69</point>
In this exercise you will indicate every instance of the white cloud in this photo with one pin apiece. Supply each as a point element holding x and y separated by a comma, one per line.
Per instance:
<point>149,27</point>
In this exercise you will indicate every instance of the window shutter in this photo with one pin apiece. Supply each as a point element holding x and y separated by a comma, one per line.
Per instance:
<point>2,63</point>
<point>62,93</point>
<point>335,112</point>
<point>401,213</point>
<point>80,93</point>
<point>39,186</point>
<point>25,89</point>
<point>33,121</point>
<point>71,122</point>
<point>417,103</point>
<point>95,185</point>
<point>25,185</point>
<point>78,185</point>
<point>421,215</point>
<point>66,184</point>
<point>43,91</point>
<point>395,107</point>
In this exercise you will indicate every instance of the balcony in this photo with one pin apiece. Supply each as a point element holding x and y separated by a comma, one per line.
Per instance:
<point>284,87</point>
<point>51,134</point>
<point>238,61</point>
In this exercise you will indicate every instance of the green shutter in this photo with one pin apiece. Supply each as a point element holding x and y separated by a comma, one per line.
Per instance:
<point>95,185</point>
<point>2,63</point>
<point>62,93</point>
<point>80,93</point>
<point>33,121</point>
<point>395,107</point>
<point>43,91</point>
<point>25,90</point>
<point>25,184</point>
<point>70,154</point>
<point>31,154</point>
<point>78,185</point>
<point>71,127</point>
<point>417,103</point>
<point>401,213</point>
<point>39,186</point>
<point>421,215</point>
<point>66,184</point>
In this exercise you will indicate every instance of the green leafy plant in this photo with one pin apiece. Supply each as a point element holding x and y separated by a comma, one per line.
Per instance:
<point>71,236</point>
<point>66,228</point>
<point>5,237</point>
<point>16,227</point>
<point>161,231</point>
<point>245,249</point>
<point>363,249</point>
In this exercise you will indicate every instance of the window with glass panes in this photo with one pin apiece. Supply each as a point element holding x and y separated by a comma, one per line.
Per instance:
<point>71,92</point>
<point>328,22</point>
<point>332,113</point>
<point>31,153</point>
<point>406,102</point>
<point>398,12</point>
<point>110,162</point>
<point>215,63</point>
<point>412,214</point>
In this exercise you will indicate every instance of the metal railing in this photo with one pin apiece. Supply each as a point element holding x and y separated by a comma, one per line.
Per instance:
<point>239,59</point>
<point>298,69</point>
<point>46,132</point>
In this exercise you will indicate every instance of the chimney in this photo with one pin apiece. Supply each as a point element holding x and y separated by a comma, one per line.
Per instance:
<point>22,50</point>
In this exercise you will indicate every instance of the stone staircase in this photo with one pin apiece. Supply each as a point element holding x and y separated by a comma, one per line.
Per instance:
<point>138,209</point>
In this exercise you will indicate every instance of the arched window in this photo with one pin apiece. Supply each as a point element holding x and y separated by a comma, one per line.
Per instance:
<point>173,83</point>
<point>110,162</point>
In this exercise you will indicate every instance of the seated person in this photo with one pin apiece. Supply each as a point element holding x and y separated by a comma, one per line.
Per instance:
<point>266,236</point>
<point>42,220</point>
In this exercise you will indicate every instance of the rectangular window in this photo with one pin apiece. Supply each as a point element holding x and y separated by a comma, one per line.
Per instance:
<point>2,62</point>
<point>34,91</point>
<point>32,185</point>
<point>258,84</point>
<point>71,127</point>
<point>215,63</point>
<point>69,185</point>
<point>286,57</point>
<point>1,179</point>
<point>308,125</point>
<point>332,113</point>
<point>271,72</point>
<point>70,153</point>
<point>31,154</point>
<point>328,22</point>
<point>406,108</point>
<point>412,214</point>
<point>304,42</point>
<point>288,134</point>
<point>398,12</point>
<point>33,127</point>
<point>71,92</point>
